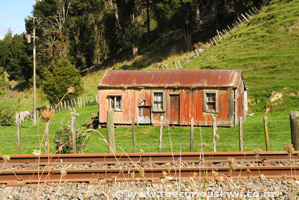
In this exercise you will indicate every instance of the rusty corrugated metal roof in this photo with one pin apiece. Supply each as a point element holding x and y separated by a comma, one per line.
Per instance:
<point>171,78</point>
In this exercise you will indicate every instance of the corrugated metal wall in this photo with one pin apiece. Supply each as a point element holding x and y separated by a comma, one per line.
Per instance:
<point>190,102</point>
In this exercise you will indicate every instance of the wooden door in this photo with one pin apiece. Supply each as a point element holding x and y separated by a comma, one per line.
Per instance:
<point>174,109</point>
<point>144,115</point>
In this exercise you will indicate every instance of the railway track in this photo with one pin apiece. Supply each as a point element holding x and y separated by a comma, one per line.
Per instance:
<point>155,175</point>
<point>147,158</point>
<point>139,173</point>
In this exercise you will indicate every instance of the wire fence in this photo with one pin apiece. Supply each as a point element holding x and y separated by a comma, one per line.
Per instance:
<point>214,41</point>
<point>174,138</point>
<point>64,105</point>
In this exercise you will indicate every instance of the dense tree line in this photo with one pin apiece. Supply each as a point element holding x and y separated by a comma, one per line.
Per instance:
<point>87,32</point>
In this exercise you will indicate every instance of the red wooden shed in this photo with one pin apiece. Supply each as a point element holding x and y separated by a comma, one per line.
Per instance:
<point>177,95</point>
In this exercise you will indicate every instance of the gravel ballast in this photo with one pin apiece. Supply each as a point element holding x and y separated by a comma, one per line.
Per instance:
<point>225,188</point>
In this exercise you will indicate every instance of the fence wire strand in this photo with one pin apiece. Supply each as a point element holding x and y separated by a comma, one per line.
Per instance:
<point>174,132</point>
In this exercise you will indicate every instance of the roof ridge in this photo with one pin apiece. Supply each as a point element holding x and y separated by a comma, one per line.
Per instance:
<point>135,70</point>
<point>171,78</point>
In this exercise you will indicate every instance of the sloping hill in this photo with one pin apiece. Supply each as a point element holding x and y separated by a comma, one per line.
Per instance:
<point>267,51</point>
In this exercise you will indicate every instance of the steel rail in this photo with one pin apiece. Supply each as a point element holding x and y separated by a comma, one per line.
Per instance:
<point>155,175</point>
<point>147,158</point>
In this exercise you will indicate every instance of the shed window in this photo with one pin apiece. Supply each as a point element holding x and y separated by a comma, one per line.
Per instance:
<point>115,103</point>
<point>210,104</point>
<point>158,104</point>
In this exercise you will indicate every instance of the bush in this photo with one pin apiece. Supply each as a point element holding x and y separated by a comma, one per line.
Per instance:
<point>63,136</point>
<point>4,81</point>
<point>7,116</point>
<point>62,76</point>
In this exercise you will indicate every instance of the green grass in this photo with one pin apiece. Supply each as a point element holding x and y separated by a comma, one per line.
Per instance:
<point>267,51</point>
<point>147,136</point>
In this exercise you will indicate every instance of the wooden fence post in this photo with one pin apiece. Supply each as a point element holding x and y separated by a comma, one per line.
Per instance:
<point>219,35</point>
<point>110,131</point>
<point>191,133</point>
<point>241,135</point>
<point>176,65</point>
<point>74,143</point>
<point>183,62</point>
<point>228,28</point>
<point>61,105</point>
<point>215,41</point>
<point>161,134</point>
<point>47,141</point>
<point>294,119</point>
<point>247,15</point>
<point>75,103</point>
<point>214,134</point>
<point>266,133</point>
<point>222,34</point>
<point>18,133</point>
<point>180,65</point>
<point>133,135</point>
<point>244,17</point>
<point>197,54</point>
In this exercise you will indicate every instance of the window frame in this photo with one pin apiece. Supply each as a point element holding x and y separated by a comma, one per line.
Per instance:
<point>153,101</point>
<point>206,101</point>
<point>115,96</point>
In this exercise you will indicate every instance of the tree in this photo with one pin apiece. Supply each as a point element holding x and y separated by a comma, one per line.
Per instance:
<point>86,32</point>
<point>62,76</point>
<point>4,81</point>
<point>14,57</point>
<point>183,15</point>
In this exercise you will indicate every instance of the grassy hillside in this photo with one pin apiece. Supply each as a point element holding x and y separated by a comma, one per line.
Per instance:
<point>267,51</point>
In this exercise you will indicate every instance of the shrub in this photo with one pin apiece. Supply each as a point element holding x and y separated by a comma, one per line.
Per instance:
<point>63,137</point>
<point>6,116</point>
<point>4,81</point>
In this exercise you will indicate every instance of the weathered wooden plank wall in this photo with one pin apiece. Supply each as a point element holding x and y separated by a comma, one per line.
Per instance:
<point>190,105</point>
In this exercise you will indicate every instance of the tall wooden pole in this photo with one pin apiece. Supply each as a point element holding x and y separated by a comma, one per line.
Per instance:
<point>34,75</point>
